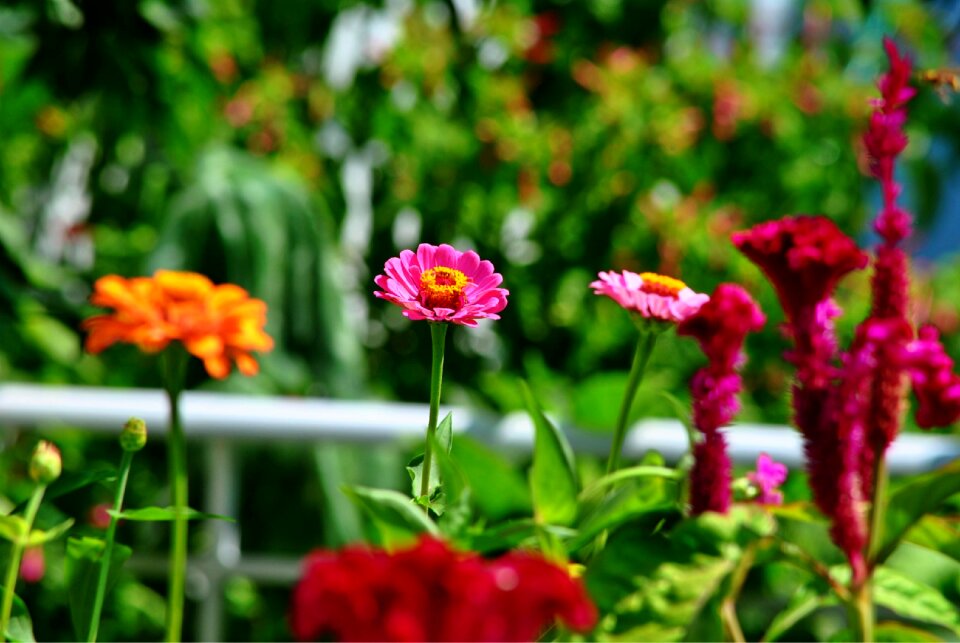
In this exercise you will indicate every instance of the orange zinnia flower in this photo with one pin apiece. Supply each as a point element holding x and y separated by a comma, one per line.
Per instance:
<point>218,324</point>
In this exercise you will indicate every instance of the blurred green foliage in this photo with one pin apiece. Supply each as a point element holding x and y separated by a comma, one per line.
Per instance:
<point>276,148</point>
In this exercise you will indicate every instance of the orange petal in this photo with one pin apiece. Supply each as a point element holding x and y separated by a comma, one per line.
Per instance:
<point>218,367</point>
<point>204,346</point>
<point>183,285</point>
<point>226,294</point>
<point>246,363</point>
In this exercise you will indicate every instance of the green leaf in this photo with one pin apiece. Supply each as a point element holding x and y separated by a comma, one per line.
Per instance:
<point>806,600</point>
<point>20,626</point>
<point>644,576</point>
<point>631,473</point>
<point>83,572</point>
<point>38,537</point>
<point>937,533</point>
<point>913,599</point>
<point>553,479</point>
<point>444,440</point>
<point>70,481</point>
<point>496,487</point>
<point>13,528</point>
<point>894,632</point>
<point>911,501</point>
<point>162,514</point>
<point>395,516</point>
<point>455,494</point>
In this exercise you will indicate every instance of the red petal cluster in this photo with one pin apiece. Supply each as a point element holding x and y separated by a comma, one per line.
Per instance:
<point>720,327</point>
<point>431,592</point>
<point>803,256</point>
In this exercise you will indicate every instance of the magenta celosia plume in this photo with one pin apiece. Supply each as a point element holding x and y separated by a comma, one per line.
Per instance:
<point>848,405</point>
<point>430,592</point>
<point>767,478</point>
<point>442,284</point>
<point>720,327</point>
<point>650,295</point>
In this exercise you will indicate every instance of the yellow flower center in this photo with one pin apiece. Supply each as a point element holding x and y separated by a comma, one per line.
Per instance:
<point>661,285</point>
<point>442,287</point>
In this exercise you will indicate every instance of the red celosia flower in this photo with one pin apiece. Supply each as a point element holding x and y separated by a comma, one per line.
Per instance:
<point>218,324</point>
<point>431,592</point>
<point>651,295</point>
<point>803,256</point>
<point>441,284</point>
<point>720,326</point>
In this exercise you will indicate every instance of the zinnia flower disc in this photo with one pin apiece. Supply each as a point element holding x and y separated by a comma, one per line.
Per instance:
<point>219,324</point>
<point>441,284</point>
<point>651,295</point>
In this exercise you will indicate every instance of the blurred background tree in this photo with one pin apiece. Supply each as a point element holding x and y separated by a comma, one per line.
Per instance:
<point>292,148</point>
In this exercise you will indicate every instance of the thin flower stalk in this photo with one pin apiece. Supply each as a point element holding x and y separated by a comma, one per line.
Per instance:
<point>132,439</point>
<point>438,335</point>
<point>656,302</point>
<point>45,467</point>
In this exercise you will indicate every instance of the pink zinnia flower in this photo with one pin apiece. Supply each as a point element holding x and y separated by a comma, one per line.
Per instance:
<point>767,479</point>
<point>441,284</point>
<point>653,296</point>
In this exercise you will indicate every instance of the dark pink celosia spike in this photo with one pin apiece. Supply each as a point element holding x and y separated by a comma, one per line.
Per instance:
<point>720,327</point>
<point>710,476</point>
<point>884,141</point>
<point>722,324</point>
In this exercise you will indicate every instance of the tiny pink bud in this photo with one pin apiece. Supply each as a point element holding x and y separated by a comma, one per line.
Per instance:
<point>45,464</point>
<point>33,565</point>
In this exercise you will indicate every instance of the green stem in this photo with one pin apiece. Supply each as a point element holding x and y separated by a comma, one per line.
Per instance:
<point>107,554</point>
<point>177,458</point>
<point>860,609</point>
<point>16,553</point>
<point>645,346</point>
<point>438,335</point>
<point>728,609</point>
<point>878,510</point>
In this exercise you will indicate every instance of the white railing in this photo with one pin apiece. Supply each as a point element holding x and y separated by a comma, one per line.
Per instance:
<point>221,420</point>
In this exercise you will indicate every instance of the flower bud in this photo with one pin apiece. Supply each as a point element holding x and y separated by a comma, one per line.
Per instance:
<point>134,435</point>
<point>45,464</point>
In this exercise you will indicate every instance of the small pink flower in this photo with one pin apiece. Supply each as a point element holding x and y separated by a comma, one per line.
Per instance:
<point>33,566</point>
<point>441,284</point>
<point>653,296</point>
<point>99,516</point>
<point>768,476</point>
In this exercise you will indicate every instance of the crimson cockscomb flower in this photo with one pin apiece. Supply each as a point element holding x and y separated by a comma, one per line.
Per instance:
<point>430,592</point>
<point>720,327</point>
<point>441,284</point>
